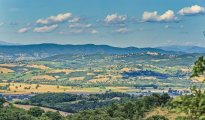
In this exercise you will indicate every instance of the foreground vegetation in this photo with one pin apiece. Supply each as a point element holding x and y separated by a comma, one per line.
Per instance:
<point>73,103</point>
<point>154,107</point>
<point>131,109</point>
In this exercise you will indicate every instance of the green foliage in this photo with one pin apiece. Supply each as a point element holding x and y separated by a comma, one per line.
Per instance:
<point>42,118</point>
<point>75,103</point>
<point>53,115</point>
<point>131,110</point>
<point>2,101</point>
<point>35,111</point>
<point>14,114</point>
<point>157,117</point>
<point>202,117</point>
<point>199,67</point>
<point>193,105</point>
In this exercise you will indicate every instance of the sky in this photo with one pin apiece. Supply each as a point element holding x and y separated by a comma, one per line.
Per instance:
<point>120,23</point>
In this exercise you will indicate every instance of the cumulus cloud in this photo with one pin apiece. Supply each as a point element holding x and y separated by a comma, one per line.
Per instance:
<point>23,30</point>
<point>115,18</point>
<point>55,19</point>
<point>193,10</point>
<point>45,28</point>
<point>168,16</point>
<point>79,25</point>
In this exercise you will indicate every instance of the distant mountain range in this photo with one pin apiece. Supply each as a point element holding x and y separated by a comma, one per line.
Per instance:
<point>7,43</point>
<point>185,49</point>
<point>47,50</point>
<point>38,51</point>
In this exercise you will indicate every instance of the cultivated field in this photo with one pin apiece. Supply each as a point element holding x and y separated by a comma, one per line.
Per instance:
<point>23,88</point>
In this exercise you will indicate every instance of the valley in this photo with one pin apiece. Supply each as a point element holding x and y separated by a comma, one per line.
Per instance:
<point>102,70</point>
<point>74,83</point>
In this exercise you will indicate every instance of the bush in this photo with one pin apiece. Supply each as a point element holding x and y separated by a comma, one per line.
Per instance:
<point>53,115</point>
<point>35,111</point>
<point>157,117</point>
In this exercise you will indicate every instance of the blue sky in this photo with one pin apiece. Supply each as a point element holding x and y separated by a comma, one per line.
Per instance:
<point>122,23</point>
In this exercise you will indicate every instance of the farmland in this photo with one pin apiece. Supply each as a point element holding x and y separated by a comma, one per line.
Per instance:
<point>23,88</point>
<point>97,73</point>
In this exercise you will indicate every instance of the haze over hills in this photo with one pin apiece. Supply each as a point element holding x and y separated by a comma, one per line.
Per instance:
<point>38,51</point>
<point>185,49</point>
<point>48,49</point>
<point>8,43</point>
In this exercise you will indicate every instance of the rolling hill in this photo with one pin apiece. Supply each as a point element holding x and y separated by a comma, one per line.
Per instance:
<point>185,49</point>
<point>38,51</point>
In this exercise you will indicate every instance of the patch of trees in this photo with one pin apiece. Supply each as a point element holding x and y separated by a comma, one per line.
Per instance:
<point>130,110</point>
<point>193,105</point>
<point>148,73</point>
<point>74,102</point>
<point>36,113</point>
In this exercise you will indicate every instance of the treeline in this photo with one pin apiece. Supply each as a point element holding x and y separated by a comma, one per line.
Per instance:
<point>74,103</point>
<point>35,113</point>
<point>128,110</point>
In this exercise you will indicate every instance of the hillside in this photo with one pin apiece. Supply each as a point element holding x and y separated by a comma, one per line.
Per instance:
<point>37,51</point>
<point>185,49</point>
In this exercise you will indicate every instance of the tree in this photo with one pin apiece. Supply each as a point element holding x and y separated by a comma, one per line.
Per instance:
<point>195,108</point>
<point>164,98</point>
<point>2,101</point>
<point>35,111</point>
<point>14,114</point>
<point>37,86</point>
<point>193,105</point>
<point>129,109</point>
<point>42,118</point>
<point>53,115</point>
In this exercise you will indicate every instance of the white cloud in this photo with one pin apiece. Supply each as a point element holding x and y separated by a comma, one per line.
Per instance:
<point>193,10</point>
<point>23,30</point>
<point>168,16</point>
<point>94,32</point>
<point>78,25</point>
<point>115,18</point>
<point>173,27</point>
<point>55,19</point>
<point>74,20</point>
<point>83,31</point>
<point>122,30</point>
<point>45,28</point>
